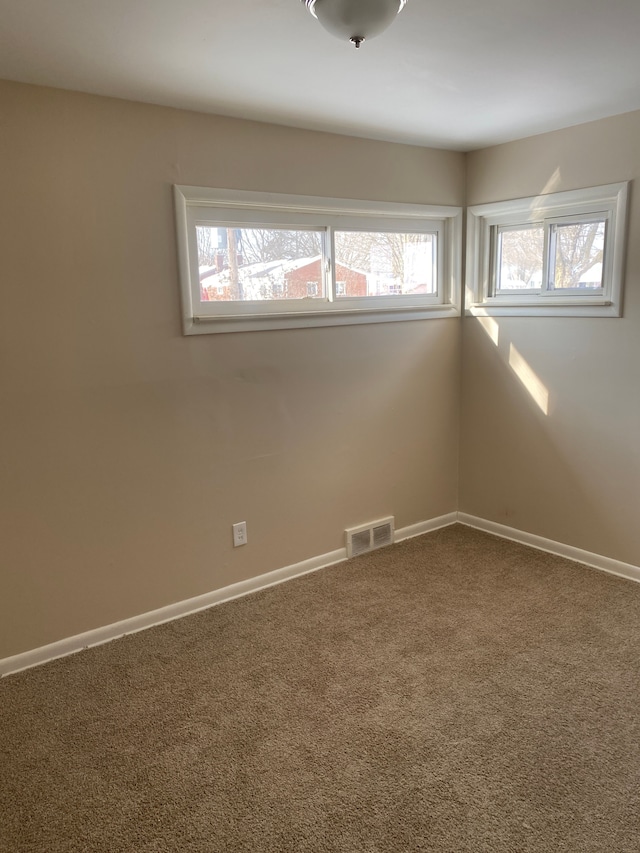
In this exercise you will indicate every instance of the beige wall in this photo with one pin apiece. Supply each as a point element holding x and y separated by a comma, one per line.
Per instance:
<point>127,449</point>
<point>572,475</point>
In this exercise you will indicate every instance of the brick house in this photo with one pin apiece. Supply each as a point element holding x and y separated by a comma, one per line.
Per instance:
<point>288,279</point>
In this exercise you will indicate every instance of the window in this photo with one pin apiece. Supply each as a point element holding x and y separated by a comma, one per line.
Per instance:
<point>557,254</point>
<point>266,261</point>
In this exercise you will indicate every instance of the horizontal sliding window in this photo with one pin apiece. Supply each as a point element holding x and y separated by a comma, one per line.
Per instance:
<point>559,254</point>
<point>255,261</point>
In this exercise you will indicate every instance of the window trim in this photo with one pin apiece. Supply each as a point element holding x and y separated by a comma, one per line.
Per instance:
<point>608,202</point>
<point>244,208</point>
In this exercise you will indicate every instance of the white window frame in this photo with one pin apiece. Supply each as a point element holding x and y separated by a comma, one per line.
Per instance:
<point>484,221</point>
<point>235,208</point>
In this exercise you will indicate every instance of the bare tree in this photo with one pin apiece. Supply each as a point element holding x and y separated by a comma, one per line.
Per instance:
<point>261,245</point>
<point>578,249</point>
<point>521,255</point>
<point>232,257</point>
<point>206,248</point>
<point>385,254</point>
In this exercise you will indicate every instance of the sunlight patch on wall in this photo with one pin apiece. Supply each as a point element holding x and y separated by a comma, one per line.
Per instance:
<point>490,326</point>
<point>550,187</point>
<point>553,183</point>
<point>536,388</point>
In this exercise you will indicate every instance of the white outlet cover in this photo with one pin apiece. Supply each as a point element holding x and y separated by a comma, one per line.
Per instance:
<point>239,534</point>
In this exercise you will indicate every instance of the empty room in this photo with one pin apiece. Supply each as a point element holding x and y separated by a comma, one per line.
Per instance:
<point>319,426</point>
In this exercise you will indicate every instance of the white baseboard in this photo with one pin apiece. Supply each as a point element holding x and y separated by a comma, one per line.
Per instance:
<point>425,527</point>
<point>98,636</point>
<point>595,561</point>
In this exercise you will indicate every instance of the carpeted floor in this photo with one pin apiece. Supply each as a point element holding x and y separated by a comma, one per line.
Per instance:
<point>455,692</point>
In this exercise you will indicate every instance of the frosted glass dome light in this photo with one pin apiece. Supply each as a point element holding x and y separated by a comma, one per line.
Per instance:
<point>355,20</point>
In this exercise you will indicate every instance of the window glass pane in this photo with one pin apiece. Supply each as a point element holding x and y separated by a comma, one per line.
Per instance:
<point>373,263</point>
<point>577,261</point>
<point>520,254</point>
<point>247,264</point>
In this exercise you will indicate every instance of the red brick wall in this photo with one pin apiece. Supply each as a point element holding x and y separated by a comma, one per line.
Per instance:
<point>296,281</point>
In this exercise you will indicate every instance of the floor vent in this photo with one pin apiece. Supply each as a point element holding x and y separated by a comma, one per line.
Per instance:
<point>370,536</point>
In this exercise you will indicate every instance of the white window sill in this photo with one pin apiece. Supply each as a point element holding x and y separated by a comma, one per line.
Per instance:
<point>260,322</point>
<point>545,308</point>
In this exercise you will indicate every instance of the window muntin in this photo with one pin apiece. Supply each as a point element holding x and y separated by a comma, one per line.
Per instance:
<point>231,282</point>
<point>558,254</point>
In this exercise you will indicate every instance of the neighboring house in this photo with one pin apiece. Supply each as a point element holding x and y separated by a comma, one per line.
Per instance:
<point>281,279</point>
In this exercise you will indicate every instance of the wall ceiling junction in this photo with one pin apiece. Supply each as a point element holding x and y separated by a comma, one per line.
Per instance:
<point>460,75</point>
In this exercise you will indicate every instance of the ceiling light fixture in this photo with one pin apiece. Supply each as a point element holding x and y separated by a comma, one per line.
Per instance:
<point>355,20</point>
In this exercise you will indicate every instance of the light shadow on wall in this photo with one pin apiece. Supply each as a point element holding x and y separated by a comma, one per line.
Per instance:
<point>551,186</point>
<point>536,388</point>
<point>558,473</point>
<point>491,328</point>
<point>531,381</point>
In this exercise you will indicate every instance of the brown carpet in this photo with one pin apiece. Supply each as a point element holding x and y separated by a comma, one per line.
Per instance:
<point>455,693</point>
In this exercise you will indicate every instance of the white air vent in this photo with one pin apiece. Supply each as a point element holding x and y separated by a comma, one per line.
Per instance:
<point>367,537</point>
<point>382,535</point>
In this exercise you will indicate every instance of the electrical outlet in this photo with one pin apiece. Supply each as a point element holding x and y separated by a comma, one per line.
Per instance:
<point>239,534</point>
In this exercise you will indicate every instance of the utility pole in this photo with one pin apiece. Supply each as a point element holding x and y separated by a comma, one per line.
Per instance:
<point>232,251</point>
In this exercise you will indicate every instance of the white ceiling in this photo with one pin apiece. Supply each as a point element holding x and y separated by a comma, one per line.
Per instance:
<point>457,74</point>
